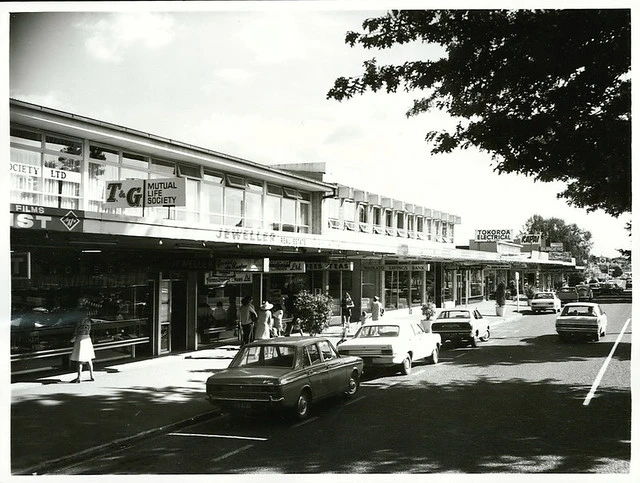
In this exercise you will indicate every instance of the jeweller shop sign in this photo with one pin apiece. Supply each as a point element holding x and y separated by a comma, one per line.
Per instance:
<point>139,193</point>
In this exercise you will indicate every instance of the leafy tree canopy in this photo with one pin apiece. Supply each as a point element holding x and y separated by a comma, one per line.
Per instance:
<point>546,92</point>
<point>576,241</point>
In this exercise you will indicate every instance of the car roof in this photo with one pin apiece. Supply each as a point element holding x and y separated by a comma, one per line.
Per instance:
<point>391,322</point>
<point>581,304</point>
<point>288,341</point>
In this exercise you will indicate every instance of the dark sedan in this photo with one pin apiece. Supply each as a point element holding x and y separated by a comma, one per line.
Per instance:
<point>284,373</point>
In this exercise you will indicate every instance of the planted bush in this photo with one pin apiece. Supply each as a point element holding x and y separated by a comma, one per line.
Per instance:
<point>314,311</point>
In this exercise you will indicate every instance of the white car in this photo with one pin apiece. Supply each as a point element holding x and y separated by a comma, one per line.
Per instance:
<point>542,301</point>
<point>392,344</point>
<point>461,326</point>
<point>583,319</point>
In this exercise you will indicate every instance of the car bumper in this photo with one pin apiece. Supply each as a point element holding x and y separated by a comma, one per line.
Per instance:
<point>576,329</point>
<point>543,307</point>
<point>454,335</point>
<point>247,404</point>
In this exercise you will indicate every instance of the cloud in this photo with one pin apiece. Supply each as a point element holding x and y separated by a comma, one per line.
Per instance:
<point>111,37</point>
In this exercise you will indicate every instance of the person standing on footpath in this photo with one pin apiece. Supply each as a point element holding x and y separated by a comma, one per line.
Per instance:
<point>347,305</point>
<point>204,319</point>
<point>219,315</point>
<point>247,317</point>
<point>82,346</point>
<point>277,314</point>
<point>265,320</point>
<point>376,308</point>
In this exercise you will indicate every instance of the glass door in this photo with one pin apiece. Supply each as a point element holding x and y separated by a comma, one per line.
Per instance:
<point>164,317</point>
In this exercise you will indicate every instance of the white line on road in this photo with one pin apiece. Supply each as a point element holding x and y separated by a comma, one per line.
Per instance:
<point>225,436</point>
<point>231,453</point>
<point>596,383</point>
<point>305,422</point>
<point>354,400</point>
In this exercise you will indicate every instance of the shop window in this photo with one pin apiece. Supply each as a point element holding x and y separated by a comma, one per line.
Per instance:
<point>253,209</point>
<point>274,190</point>
<point>165,169</point>
<point>26,182</point>
<point>136,161</point>
<point>61,181</point>
<point>236,182</point>
<point>420,228</point>
<point>272,212</point>
<point>288,215</point>
<point>233,199</point>
<point>26,138</point>
<point>305,218</point>
<point>61,145</point>
<point>429,229</point>
<point>389,225</point>
<point>189,171</point>
<point>191,210</point>
<point>349,214</point>
<point>291,193</point>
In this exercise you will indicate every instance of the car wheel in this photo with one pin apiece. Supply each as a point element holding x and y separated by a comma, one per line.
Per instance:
<point>474,341</point>
<point>433,358</point>
<point>406,365</point>
<point>303,405</point>
<point>486,336</point>
<point>354,384</point>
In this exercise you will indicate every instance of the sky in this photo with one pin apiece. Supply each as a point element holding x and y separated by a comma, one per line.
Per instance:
<point>251,79</point>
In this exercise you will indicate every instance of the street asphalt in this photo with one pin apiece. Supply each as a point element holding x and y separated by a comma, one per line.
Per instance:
<point>55,422</point>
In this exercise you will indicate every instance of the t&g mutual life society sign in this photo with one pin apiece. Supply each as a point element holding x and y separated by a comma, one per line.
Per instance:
<point>139,193</point>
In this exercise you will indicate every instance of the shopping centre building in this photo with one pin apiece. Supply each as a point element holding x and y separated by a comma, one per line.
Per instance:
<point>141,229</point>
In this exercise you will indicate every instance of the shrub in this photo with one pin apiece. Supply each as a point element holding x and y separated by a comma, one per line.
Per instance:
<point>313,311</point>
<point>428,310</point>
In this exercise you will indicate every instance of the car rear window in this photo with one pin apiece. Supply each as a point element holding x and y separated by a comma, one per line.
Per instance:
<point>454,314</point>
<point>578,311</point>
<point>543,296</point>
<point>379,331</point>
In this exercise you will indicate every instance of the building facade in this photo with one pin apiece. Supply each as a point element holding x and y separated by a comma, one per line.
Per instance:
<point>140,230</point>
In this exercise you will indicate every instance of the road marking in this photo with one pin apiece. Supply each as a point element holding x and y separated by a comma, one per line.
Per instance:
<point>354,400</point>
<point>305,422</point>
<point>224,436</point>
<point>600,375</point>
<point>231,453</point>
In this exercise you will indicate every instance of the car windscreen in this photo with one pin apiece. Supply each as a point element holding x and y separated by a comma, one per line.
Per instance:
<point>379,331</point>
<point>265,356</point>
<point>454,314</point>
<point>578,311</point>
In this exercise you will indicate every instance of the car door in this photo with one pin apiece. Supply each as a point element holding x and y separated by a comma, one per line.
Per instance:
<point>316,370</point>
<point>418,341</point>
<point>337,371</point>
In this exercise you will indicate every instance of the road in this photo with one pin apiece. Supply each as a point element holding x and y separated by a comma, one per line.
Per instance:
<point>520,403</point>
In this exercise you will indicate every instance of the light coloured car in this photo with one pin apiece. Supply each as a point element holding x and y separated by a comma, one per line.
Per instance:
<point>582,319</point>
<point>392,344</point>
<point>462,326</point>
<point>543,301</point>
<point>284,373</point>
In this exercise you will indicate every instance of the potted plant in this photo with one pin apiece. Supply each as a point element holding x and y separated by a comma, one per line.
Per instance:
<point>428,310</point>
<point>501,299</point>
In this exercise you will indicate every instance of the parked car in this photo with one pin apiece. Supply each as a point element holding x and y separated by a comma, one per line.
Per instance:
<point>567,295</point>
<point>393,344</point>
<point>545,301</point>
<point>461,326</point>
<point>284,374</point>
<point>585,293</point>
<point>610,288</point>
<point>583,319</point>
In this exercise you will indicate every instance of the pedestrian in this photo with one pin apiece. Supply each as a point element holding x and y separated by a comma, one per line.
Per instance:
<point>82,346</point>
<point>377,310</point>
<point>277,314</point>
<point>248,316</point>
<point>347,305</point>
<point>265,321</point>
<point>219,315</point>
<point>204,319</point>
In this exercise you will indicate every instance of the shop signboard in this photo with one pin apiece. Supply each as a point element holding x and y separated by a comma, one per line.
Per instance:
<point>494,234</point>
<point>553,247</point>
<point>287,266</point>
<point>531,238</point>
<point>242,264</point>
<point>45,218</point>
<point>561,256</point>
<point>331,266</point>
<point>141,193</point>
<point>218,279</point>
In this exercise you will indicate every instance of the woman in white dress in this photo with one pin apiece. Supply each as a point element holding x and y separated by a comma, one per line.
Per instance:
<point>83,348</point>
<point>265,321</point>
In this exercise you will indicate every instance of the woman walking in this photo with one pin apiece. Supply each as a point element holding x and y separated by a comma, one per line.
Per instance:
<point>265,320</point>
<point>83,347</point>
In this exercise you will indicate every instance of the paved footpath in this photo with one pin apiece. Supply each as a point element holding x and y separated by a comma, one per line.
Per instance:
<point>55,422</point>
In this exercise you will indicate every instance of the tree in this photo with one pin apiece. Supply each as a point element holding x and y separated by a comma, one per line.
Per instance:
<point>575,240</point>
<point>546,92</point>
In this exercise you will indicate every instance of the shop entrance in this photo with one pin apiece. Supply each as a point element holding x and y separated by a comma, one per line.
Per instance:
<point>173,316</point>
